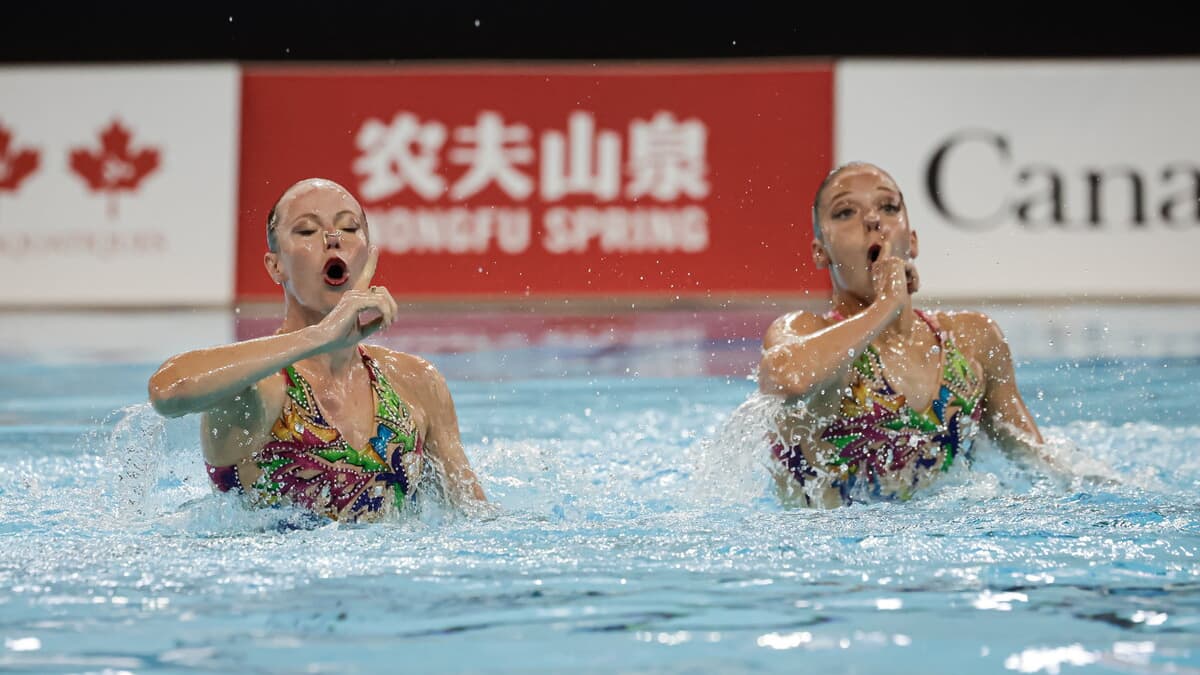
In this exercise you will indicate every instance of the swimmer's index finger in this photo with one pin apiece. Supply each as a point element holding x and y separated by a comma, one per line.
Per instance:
<point>364,279</point>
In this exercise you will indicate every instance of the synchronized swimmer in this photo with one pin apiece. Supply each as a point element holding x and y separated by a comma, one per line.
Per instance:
<point>881,398</point>
<point>311,416</point>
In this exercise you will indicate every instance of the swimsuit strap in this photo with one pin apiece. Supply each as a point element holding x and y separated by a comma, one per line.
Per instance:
<point>390,411</point>
<point>933,326</point>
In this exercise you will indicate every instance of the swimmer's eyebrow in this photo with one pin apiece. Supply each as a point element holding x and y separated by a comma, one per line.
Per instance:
<point>312,216</point>
<point>303,217</point>
<point>882,188</point>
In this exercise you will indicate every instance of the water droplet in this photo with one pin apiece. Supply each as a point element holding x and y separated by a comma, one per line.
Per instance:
<point>477,23</point>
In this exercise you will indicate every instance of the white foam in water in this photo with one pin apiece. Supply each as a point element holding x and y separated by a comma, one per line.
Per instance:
<point>134,462</point>
<point>731,465</point>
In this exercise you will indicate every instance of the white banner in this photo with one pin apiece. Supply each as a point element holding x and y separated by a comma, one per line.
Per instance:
<point>133,336</point>
<point>1045,178</point>
<point>118,185</point>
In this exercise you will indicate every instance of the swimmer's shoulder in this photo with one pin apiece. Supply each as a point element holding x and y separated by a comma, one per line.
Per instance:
<point>972,331</point>
<point>795,325</point>
<point>412,376</point>
<point>396,364</point>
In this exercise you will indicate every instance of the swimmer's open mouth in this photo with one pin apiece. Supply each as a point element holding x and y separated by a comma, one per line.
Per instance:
<point>336,272</point>
<point>873,252</point>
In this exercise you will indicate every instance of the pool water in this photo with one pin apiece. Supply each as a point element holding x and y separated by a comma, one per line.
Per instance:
<point>636,532</point>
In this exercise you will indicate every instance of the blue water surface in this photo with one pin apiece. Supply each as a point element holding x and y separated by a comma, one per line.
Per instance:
<point>636,531</point>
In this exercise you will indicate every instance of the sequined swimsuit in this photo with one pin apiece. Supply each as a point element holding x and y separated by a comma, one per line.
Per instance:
<point>878,434</point>
<point>308,463</point>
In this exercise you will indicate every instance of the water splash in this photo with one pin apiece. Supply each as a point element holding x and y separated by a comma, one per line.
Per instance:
<point>733,465</point>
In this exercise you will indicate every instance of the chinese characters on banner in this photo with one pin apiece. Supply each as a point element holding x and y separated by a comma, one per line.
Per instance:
<point>564,181</point>
<point>666,170</point>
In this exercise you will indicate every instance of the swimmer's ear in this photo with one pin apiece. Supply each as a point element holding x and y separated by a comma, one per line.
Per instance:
<point>271,262</point>
<point>819,255</point>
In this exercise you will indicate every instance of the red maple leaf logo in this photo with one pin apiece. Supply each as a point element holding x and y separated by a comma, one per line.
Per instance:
<point>14,166</point>
<point>115,167</point>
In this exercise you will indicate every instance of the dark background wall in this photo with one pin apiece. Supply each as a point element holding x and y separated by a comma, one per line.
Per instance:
<point>120,31</point>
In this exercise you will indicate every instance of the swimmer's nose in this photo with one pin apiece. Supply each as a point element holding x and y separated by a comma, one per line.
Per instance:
<point>333,239</point>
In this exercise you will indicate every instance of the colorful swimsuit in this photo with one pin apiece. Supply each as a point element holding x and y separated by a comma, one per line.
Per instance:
<point>878,434</point>
<point>303,442</point>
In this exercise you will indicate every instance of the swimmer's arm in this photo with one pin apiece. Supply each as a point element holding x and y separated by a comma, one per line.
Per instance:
<point>444,445</point>
<point>206,380</point>
<point>202,380</point>
<point>1005,418</point>
<point>235,429</point>
<point>802,356</point>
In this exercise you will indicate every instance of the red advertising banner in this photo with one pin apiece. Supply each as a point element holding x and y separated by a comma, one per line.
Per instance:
<point>538,181</point>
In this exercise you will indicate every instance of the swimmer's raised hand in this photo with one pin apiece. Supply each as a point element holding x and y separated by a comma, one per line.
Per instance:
<point>363,310</point>
<point>914,281</point>
<point>890,275</point>
<point>363,282</point>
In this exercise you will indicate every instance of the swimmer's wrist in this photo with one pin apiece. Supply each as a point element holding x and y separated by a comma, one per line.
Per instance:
<point>312,341</point>
<point>890,305</point>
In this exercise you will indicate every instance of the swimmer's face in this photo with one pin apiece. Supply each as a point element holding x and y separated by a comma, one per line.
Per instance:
<point>322,240</point>
<point>859,210</point>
